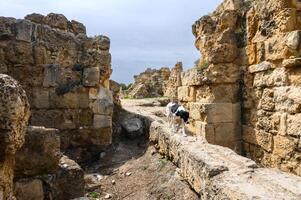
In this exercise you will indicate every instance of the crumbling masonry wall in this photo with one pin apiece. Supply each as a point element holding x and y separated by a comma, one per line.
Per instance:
<point>64,73</point>
<point>173,81</point>
<point>246,90</point>
<point>150,83</point>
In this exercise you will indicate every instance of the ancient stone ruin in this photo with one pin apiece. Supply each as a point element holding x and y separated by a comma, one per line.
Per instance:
<point>245,92</point>
<point>65,75</point>
<point>149,83</point>
<point>156,83</point>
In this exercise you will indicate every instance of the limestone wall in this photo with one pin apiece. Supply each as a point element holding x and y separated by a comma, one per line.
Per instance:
<point>150,83</point>
<point>64,73</point>
<point>216,172</point>
<point>210,91</point>
<point>245,91</point>
<point>272,92</point>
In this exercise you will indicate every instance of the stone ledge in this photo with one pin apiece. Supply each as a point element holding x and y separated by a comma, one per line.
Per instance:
<point>215,172</point>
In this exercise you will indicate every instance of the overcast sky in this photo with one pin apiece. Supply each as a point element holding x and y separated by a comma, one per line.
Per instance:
<point>143,33</point>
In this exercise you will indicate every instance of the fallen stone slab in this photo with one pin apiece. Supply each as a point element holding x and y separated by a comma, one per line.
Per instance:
<point>40,153</point>
<point>29,188</point>
<point>68,182</point>
<point>216,172</point>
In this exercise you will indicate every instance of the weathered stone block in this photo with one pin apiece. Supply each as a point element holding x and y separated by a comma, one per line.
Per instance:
<point>105,58</point>
<point>23,30</point>
<point>222,73</point>
<point>186,93</point>
<point>264,66</point>
<point>91,76</point>
<point>215,112</point>
<point>83,97</point>
<point>56,21</point>
<point>93,93</point>
<point>293,40</point>
<point>293,126</point>
<point>51,75</point>
<point>96,137</point>
<point>78,27</point>
<point>275,48</point>
<point>294,62</point>
<point>41,98</point>
<point>266,102</point>
<point>223,53</point>
<point>217,94</point>
<point>102,121</point>
<point>283,146</point>
<point>35,17</point>
<point>251,53</point>
<point>192,77</point>
<point>69,180</point>
<point>133,126</point>
<point>258,137</point>
<point>277,77</point>
<point>228,135</point>
<point>205,130</point>
<point>26,189</point>
<point>287,99</point>
<point>67,100</point>
<point>104,102</point>
<point>60,119</point>
<point>42,146</point>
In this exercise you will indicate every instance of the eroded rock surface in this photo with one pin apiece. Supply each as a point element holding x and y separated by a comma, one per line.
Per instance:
<point>14,114</point>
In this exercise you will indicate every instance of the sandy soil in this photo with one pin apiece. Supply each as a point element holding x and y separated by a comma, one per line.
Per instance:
<point>133,170</point>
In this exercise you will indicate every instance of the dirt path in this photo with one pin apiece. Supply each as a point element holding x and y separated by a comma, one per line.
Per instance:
<point>135,171</point>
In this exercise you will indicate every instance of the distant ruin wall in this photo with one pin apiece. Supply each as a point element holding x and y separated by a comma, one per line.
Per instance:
<point>246,90</point>
<point>150,83</point>
<point>64,73</point>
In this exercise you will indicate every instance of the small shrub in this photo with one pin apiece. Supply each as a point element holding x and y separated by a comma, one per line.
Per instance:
<point>94,195</point>
<point>162,161</point>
